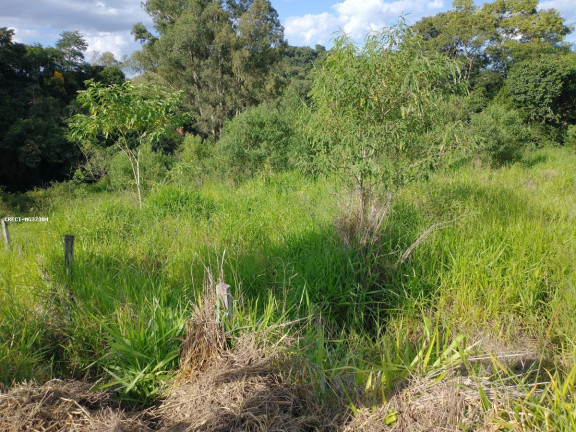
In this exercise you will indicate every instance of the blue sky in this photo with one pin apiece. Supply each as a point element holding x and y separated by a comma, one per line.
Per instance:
<point>106,24</point>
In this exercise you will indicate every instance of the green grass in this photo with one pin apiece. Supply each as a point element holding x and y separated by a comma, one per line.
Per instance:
<point>502,273</point>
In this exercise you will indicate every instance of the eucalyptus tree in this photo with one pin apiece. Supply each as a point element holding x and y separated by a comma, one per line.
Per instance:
<point>73,45</point>
<point>370,106</point>
<point>219,53</point>
<point>127,117</point>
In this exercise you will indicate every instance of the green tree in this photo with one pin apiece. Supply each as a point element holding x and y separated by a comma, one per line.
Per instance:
<point>104,59</point>
<point>370,106</point>
<point>461,33</point>
<point>221,54</point>
<point>523,31</point>
<point>500,133</point>
<point>38,88</point>
<point>73,46</point>
<point>545,89</point>
<point>262,138</point>
<point>129,117</point>
<point>494,35</point>
<point>297,63</point>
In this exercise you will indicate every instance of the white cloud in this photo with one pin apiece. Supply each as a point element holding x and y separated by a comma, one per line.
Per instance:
<point>117,43</point>
<point>355,17</point>
<point>311,29</point>
<point>565,7</point>
<point>435,5</point>
<point>106,24</point>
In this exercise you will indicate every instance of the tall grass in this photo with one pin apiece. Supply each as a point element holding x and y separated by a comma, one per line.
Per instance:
<point>501,274</point>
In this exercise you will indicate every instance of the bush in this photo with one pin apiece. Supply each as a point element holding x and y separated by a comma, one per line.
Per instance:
<point>194,158</point>
<point>545,88</point>
<point>260,139</point>
<point>571,136</point>
<point>500,133</point>
<point>154,167</point>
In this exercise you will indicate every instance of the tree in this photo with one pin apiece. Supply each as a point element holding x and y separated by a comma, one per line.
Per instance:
<point>297,64</point>
<point>370,105</point>
<point>545,89</point>
<point>38,88</point>
<point>219,53</point>
<point>33,99</point>
<point>104,59</point>
<point>261,138</point>
<point>461,33</point>
<point>494,35</point>
<point>73,45</point>
<point>126,116</point>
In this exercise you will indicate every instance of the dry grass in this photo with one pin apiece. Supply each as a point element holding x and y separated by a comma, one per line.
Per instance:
<point>246,389</point>
<point>254,386</point>
<point>426,404</point>
<point>205,341</point>
<point>64,406</point>
<point>358,224</point>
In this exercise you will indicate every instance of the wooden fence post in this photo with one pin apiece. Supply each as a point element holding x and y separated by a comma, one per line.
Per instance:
<point>225,298</point>
<point>68,253</point>
<point>6,233</point>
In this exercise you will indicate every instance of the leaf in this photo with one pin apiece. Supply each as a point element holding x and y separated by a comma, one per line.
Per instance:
<point>391,417</point>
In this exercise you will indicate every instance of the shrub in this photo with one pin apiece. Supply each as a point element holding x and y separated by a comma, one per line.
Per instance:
<point>194,160</point>
<point>571,136</point>
<point>154,168</point>
<point>545,88</point>
<point>261,138</point>
<point>500,133</point>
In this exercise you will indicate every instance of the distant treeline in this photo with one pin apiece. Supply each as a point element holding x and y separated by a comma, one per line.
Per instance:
<point>243,86</point>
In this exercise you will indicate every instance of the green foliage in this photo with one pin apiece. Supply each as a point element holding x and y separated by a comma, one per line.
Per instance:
<point>461,33</point>
<point>297,65</point>
<point>495,35</point>
<point>73,45</point>
<point>195,161</point>
<point>571,136</point>
<point>38,88</point>
<point>128,117</point>
<point>262,138</point>
<point>154,168</point>
<point>111,75</point>
<point>500,133</point>
<point>144,347</point>
<point>371,105</point>
<point>545,89</point>
<point>230,53</point>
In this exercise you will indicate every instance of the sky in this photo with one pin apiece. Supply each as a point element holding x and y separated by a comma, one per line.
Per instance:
<point>106,24</point>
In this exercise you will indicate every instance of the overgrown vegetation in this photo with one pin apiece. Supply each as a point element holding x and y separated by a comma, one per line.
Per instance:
<point>396,224</point>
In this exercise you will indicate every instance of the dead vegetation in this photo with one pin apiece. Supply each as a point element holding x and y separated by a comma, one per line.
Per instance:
<point>252,383</point>
<point>249,389</point>
<point>254,386</point>
<point>64,406</point>
<point>452,404</point>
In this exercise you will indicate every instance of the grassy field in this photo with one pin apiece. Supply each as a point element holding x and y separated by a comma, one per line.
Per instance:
<point>490,291</point>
